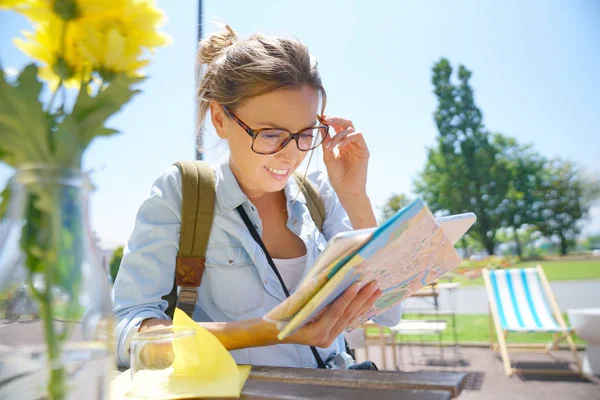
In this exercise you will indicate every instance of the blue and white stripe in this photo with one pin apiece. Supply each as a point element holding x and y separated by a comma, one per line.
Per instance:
<point>521,302</point>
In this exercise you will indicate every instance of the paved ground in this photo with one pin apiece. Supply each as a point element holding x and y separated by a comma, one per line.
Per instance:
<point>26,334</point>
<point>473,300</point>
<point>486,378</point>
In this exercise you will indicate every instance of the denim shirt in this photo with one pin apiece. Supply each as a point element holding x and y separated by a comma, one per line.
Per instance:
<point>237,282</point>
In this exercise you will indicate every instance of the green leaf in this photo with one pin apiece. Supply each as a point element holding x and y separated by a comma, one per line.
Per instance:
<point>23,123</point>
<point>4,200</point>
<point>86,120</point>
<point>91,113</point>
<point>66,145</point>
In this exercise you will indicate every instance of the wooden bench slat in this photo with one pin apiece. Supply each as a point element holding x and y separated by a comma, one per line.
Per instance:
<point>266,390</point>
<point>452,382</point>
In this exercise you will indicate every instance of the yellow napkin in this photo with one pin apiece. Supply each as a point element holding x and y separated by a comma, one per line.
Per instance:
<point>201,369</point>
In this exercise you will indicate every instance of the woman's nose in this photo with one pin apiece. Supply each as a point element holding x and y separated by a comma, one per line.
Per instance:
<point>289,153</point>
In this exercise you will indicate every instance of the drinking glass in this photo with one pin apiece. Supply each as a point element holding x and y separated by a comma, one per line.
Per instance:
<point>155,349</point>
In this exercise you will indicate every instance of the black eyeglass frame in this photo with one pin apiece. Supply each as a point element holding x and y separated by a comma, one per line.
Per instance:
<point>292,136</point>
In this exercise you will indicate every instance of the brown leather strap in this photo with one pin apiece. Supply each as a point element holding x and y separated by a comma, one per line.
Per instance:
<point>197,211</point>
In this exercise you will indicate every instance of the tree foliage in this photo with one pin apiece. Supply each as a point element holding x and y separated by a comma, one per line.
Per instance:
<point>563,206</point>
<point>591,189</point>
<point>115,262</point>
<point>523,200</point>
<point>464,171</point>
<point>395,203</point>
<point>592,242</point>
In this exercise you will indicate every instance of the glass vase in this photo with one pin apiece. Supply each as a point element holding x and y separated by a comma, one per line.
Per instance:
<point>55,309</point>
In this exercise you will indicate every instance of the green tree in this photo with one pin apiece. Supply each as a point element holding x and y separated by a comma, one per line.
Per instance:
<point>522,203</point>
<point>115,262</point>
<point>465,171</point>
<point>395,203</point>
<point>564,205</point>
<point>592,242</point>
<point>470,245</point>
<point>591,189</point>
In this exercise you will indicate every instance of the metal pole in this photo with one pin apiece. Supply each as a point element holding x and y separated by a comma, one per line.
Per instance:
<point>199,138</point>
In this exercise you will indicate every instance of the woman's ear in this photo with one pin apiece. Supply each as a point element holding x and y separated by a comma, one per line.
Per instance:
<point>219,119</point>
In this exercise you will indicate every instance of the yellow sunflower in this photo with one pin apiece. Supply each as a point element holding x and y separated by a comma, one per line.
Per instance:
<point>74,38</point>
<point>40,11</point>
<point>13,4</point>
<point>120,42</point>
<point>54,45</point>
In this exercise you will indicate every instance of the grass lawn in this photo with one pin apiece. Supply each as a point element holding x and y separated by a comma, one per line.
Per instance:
<point>472,328</point>
<point>555,271</point>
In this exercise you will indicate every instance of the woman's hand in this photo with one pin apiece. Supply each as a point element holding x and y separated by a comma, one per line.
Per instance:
<point>330,323</point>
<point>346,157</point>
<point>347,163</point>
<point>321,332</point>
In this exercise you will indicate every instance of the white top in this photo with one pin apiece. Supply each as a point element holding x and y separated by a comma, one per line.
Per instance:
<point>291,270</point>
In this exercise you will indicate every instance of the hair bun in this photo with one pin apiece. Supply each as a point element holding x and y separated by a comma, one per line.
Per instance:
<point>215,45</point>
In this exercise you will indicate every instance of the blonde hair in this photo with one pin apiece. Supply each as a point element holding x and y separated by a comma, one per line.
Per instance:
<point>237,70</point>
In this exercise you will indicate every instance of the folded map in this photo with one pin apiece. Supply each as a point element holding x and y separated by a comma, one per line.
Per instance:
<point>407,252</point>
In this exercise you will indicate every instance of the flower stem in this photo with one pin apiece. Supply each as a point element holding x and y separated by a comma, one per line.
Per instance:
<point>63,43</point>
<point>49,110</point>
<point>56,380</point>
<point>57,374</point>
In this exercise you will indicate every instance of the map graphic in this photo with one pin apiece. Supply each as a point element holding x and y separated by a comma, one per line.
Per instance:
<point>404,254</point>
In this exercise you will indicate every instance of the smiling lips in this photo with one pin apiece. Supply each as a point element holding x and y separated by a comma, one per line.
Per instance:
<point>278,173</point>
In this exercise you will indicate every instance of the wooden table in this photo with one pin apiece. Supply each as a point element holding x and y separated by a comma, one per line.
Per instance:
<point>308,383</point>
<point>290,391</point>
<point>345,384</point>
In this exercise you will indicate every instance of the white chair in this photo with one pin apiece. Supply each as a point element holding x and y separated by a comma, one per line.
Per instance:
<point>521,300</point>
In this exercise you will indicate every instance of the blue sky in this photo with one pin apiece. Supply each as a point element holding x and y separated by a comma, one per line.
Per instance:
<point>534,69</point>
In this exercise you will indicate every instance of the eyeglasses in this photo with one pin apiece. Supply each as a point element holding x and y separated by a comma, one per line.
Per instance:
<point>271,140</point>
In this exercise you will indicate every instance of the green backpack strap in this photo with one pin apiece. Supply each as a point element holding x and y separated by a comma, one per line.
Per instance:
<point>314,203</point>
<point>197,211</point>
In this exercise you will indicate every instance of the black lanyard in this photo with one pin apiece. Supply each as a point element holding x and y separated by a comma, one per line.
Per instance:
<point>258,240</point>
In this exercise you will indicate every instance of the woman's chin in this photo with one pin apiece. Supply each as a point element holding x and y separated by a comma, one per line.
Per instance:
<point>274,186</point>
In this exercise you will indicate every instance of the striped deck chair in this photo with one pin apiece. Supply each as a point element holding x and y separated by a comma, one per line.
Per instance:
<point>521,300</point>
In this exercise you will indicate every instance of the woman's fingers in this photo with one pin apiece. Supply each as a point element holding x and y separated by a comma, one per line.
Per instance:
<point>353,137</point>
<point>351,308</point>
<point>333,141</point>
<point>367,305</point>
<point>338,123</point>
<point>345,134</point>
<point>318,332</point>
<point>332,321</point>
<point>337,309</point>
<point>341,126</point>
<point>362,304</point>
<point>357,140</point>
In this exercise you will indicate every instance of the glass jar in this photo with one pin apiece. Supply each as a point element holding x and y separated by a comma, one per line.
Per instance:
<point>55,308</point>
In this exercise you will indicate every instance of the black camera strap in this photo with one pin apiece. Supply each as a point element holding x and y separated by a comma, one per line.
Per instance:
<point>258,240</point>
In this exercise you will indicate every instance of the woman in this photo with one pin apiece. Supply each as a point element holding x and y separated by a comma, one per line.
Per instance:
<point>270,85</point>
